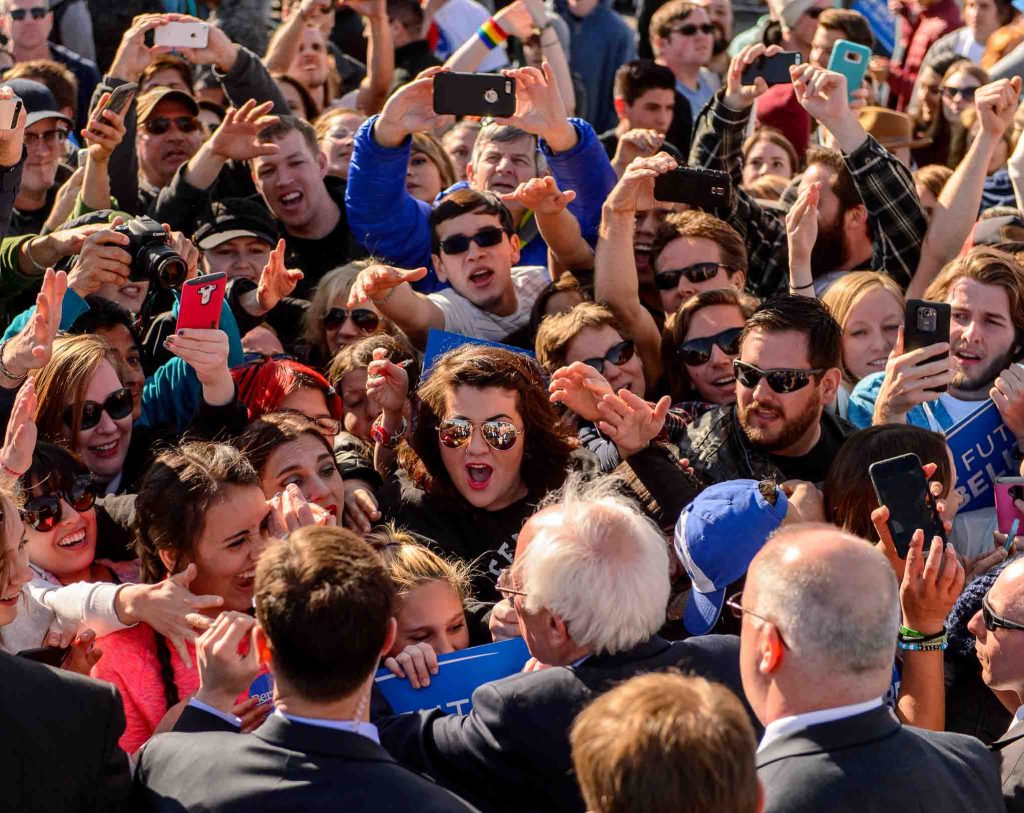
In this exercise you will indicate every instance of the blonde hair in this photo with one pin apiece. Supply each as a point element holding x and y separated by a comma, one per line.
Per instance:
<point>334,284</point>
<point>844,294</point>
<point>413,565</point>
<point>556,331</point>
<point>323,123</point>
<point>429,146</point>
<point>933,177</point>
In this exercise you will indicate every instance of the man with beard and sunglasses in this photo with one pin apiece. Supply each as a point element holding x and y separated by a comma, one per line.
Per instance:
<point>869,214</point>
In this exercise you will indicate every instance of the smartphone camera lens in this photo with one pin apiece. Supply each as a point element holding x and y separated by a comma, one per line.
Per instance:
<point>852,56</point>
<point>490,95</point>
<point>927,319</point>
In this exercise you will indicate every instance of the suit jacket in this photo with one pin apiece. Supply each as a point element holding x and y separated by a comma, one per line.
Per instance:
<point>870,762</point>
<point>60,732</point>
<point>511,752</point>
<point>1010,748</point>
<point>282,766</point>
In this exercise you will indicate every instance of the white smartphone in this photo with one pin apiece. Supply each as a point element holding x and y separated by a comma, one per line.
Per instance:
<point>10,109</point>
<point>182,35</point>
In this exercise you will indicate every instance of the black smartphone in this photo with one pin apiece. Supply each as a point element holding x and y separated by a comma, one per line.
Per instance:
<point>50,655</point>
<point>474,94</point>
<point>926,323</point>
<point>121,97</point>
<point>773,69</point>
<point>901,486</point>
<point>699,188</point>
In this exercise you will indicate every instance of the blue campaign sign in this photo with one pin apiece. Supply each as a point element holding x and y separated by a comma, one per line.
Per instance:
<point>883,24</point>
<point>982,447</point>
<point>440,342</point>
<point>458,675</point>
<point>263,688</point>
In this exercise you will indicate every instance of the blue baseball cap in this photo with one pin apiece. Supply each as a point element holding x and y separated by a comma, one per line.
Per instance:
<point>716,538</point>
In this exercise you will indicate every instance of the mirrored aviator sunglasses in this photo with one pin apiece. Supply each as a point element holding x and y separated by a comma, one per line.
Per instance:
<point>499,435</point>
<point>117,405</point>
<point>45,512</point>
<point>364,319</point>
<point>781,381</point>
<point>697,273</point>
<point>696,352</point>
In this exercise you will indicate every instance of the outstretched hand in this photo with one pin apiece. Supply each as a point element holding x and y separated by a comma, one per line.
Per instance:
<point>374,284</point>
<point>32,346</point>
<point>237,137</point>
<point>581,388</point>
<point>276,281</point>
<point>542,195</point>
<point>20,438</point>
<point>630,421</point>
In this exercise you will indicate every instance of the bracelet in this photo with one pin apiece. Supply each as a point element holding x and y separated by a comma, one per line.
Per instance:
<point>907,632</point>
<point>387,296</point>
<point>939,647</point>
<point>6,373</point>
<point>801,287</point>
<point>28,253</point>
<point>491,34</point>
<point>8,470</point>
<point>378,434</point>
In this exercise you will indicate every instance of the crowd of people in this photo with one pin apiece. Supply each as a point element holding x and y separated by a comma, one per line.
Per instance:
<point>471,380</point>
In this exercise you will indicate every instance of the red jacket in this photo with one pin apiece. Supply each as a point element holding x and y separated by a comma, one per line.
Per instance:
<point>917,37</point>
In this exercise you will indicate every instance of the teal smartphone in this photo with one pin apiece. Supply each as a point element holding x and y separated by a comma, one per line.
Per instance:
<point>851,60</point>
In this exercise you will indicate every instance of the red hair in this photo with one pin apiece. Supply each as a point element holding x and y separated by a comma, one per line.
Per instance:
<point>263,385</point>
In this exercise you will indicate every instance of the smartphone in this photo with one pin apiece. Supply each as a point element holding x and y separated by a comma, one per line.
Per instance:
<point>699,188</point>
<point>773,69</point>
<point>10,109</point>
<point>182,35</point>
<point>50,655</point>
<point>851,60</point>
<point>901,486</point>
<point>474,94</point>
<point>121,97</point>
<point>201,301</point>
<point>81,156</point>
<point>1008,489</point>
<point>926,323</point>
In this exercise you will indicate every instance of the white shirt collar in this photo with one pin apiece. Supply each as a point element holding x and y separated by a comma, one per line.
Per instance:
<point>784,725</point>
<point>364,729</point>
<point>1018,716</point>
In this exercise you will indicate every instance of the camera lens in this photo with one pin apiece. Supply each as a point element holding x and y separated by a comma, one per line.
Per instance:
<point>163,265</point>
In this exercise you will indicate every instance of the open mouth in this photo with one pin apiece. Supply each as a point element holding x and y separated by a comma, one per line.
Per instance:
<point>291,200</point>
<point>72,541</point>
<point>878,364</point>
<point>245,580</point>
<point>966,357</point>
<point>481,277</point>
<point>105,450</point>
<point>10,601</point>
<point>502,187</point>
<point>176,155</point>
<point>130,290</point>
<point>725,382</point>
<point>478,475</point>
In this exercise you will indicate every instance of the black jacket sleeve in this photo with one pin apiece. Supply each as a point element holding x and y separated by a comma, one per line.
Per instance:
<point>114,784</point>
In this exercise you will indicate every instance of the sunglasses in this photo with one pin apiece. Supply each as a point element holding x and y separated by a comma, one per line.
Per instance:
<point>617,354</point>
<point>696,273</point>
<point>37,12</point>
<point>51,138</point>
<point>364,319</point>
<point>993,621</point>
<point>695,352</point>
<point>781,380</point>
<point>117,405</point>
<point>967,94</point>
<point>459,243</point>
<point>161,124</point>
<point>690,29</point>
<point>456,432</point>
<point>43,513</point>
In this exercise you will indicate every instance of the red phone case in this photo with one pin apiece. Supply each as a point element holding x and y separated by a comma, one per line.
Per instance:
<point>201,302</point>
<point>1006,511</point>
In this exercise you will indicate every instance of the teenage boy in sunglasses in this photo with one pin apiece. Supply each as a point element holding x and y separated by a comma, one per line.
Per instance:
<point>682,38</point>
<point>474,250</point>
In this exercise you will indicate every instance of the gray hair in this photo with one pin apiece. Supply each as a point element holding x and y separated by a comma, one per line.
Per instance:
<point>492,133</point>
<point>604,571</point>
<point>843,620</point>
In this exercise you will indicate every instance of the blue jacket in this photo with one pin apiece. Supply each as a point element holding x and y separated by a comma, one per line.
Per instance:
<point>861,408</point>
<point>391,224</point>
<point>171,396</point>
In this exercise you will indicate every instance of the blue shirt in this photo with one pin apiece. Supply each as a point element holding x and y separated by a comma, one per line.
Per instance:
<point>707,84</point>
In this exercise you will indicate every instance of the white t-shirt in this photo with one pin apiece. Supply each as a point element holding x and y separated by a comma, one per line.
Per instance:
<point>959,409</point>
<point>462,316</point>
<point>458,21</point>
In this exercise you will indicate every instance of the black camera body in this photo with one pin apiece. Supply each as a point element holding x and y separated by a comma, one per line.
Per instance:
<point>152,258</point>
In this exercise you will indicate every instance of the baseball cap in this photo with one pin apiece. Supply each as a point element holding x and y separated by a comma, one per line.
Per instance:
<point>995,231</point>
<point>792,10</point>
<point>38,101</point>
<point>716,538</point>
<point>234,217</point>
<point>151,98</point>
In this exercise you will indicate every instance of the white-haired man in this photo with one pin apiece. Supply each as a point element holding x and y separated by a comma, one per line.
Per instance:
<point>589,585</point>
<point>820,613</point>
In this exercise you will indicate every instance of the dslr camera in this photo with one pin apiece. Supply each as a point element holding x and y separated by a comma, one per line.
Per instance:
<point>152,258</point>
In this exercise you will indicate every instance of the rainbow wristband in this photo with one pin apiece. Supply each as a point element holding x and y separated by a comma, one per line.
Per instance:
<point>491,34</point>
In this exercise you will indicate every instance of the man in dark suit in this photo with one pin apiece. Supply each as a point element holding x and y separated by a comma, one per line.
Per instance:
<point>315,751</point>
<point>604,566</point>
<point>999,630</point>
<point>820,609</point>
<point>61,733</point>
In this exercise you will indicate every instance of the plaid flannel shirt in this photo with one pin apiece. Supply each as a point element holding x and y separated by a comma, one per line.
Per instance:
<point>896,218</point>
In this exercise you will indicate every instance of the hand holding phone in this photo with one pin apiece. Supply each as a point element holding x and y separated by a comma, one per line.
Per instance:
<point>182,35</point>
<point>1008,490</point>
<point>926,324</point>
<point>851,60</point>
<point>474,94</point>
<point>201,301</point>
<point>705,189</point>
<point>900,486</point>
<point>120,97</point>
<point>773,69</point>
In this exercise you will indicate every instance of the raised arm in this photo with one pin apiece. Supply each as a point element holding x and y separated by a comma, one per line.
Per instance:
<point>558,227</point>
<point>103,134</point>
<point>389,290</point>
<point>284,44</point>
<point>513,21</point>
<point>380,55</point>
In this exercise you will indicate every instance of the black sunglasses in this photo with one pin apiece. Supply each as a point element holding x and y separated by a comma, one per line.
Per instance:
<point>695,352</point>
<point>37,12</point>
<point>952,93</point>
<point>459,243</point>
<point>690,29</point>
<point>617,354</point>
<point>161,124</point>
<point>43,513</point>
<point>696,273</point>
<point>499,435</point>
<point>117,405</point>
<point>782,380</point>
<point>364,319</point>
<point>993,621</point>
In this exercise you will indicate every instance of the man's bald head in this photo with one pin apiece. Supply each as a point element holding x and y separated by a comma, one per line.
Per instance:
<point>1007,594</point>
<point>1000,651</point>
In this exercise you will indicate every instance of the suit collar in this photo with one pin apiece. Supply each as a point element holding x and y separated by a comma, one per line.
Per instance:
<point>310,739</point>
<point>650,648</point>
<point>871,726</point>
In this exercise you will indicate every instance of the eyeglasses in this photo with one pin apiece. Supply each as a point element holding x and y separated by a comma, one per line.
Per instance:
<point>258,358</point>
<point>51,138</point>
<point>994,621</point>
<point>456,432</point>
<point>37,12</point>
<point>617,354</point>
<point>782,380</point>
<point>326,425</point>
<point>459,243</point>
<point>690,29</point>
<point>696,273</point>
<point>43,513</point>
<point>695,352</point>
<point>504,585</point>
<point>364,319</point>
<point>967,94</point>
<point>161,124</point>
<point>117,405</point>
<point>735,603</point>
